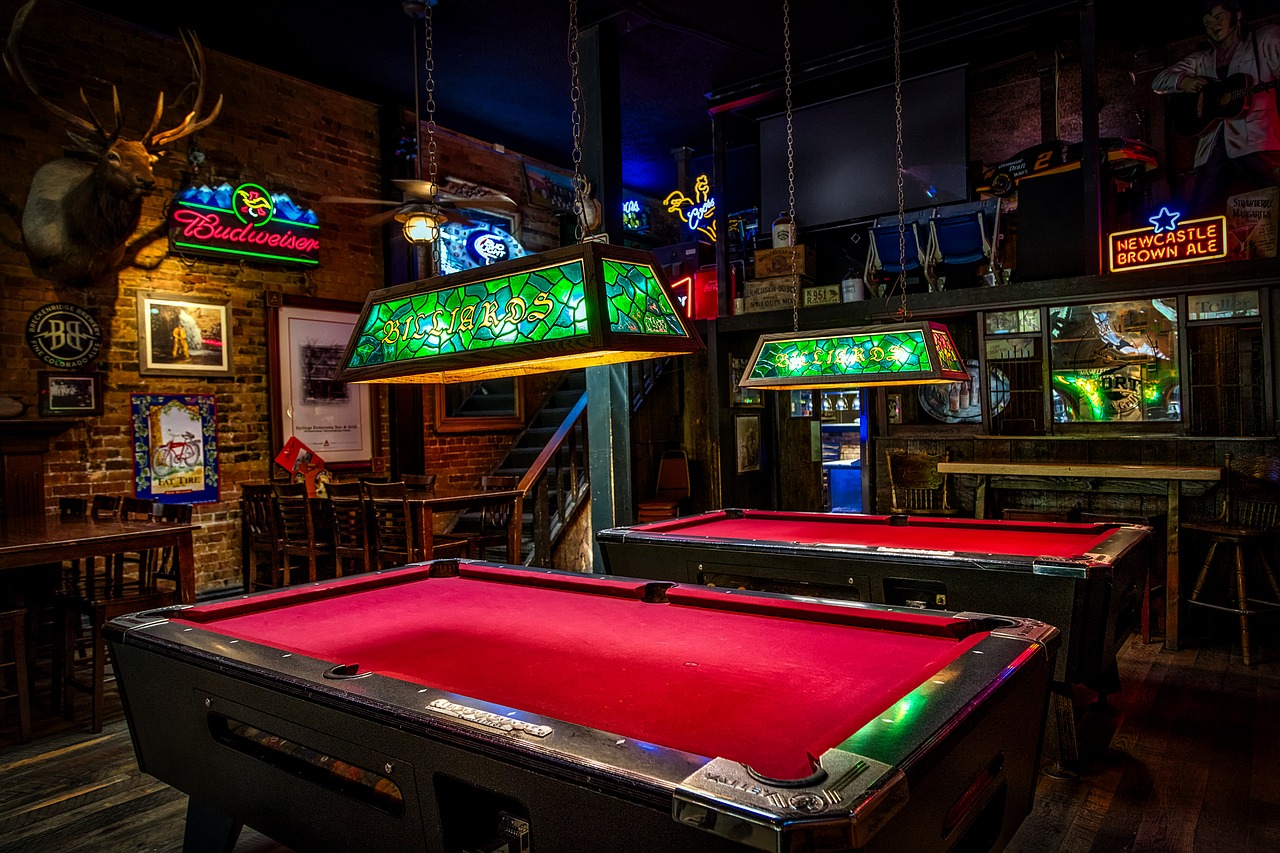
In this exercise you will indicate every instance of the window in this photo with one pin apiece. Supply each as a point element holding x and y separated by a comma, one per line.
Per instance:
<point>1227,364</point>
<point>1015,370</point>
<point>1115,362</point>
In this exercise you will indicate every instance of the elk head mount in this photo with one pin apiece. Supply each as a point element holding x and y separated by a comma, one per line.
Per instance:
<point>81,211</point>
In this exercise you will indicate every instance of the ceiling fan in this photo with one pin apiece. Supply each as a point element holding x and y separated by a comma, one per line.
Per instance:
<point>425,197</point>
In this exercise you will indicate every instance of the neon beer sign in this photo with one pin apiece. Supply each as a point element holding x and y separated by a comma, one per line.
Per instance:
<point>247,222</point>
<point>698,212</point>
<point>1169,241</point>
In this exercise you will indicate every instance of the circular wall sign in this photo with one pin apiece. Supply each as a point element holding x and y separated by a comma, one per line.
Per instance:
<point>63,335</point>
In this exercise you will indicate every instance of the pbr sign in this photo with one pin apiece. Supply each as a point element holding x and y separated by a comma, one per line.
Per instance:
<point>244,222</point>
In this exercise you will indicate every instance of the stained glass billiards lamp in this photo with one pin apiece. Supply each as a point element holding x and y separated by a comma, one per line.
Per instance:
<point>904,353</point>
<point>579,306</point>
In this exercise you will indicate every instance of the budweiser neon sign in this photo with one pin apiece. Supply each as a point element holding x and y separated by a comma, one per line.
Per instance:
<point>244,222</point>
<point>1170,240</point>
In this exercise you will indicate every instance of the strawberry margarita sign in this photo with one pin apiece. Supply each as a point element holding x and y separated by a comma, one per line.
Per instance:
<point>243,222</point>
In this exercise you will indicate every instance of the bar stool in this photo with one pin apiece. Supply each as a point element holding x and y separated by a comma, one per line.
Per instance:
<point>13,628</point>
<point>1250,518</point>
<point>352,543</point>
<point>260,538</point>
<point>304,531</point>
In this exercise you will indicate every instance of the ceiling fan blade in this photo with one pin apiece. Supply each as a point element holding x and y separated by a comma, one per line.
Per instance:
<point>418,189</point>
<point>342,199</point>
<point>379,218</point>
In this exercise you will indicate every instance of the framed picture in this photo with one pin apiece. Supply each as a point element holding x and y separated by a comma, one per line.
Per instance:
<point>744,398</point>
<point>70,394</point>
<point>175,448</point>
<point>548,187</point>
<point>746,433</point>
<point>183,336</point>
<point>306,340</point>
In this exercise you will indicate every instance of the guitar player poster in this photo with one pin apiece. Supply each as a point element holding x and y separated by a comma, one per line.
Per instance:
<point>1223,94</point>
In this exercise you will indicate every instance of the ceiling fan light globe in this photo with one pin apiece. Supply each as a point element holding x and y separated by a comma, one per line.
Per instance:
<point>421,228</point>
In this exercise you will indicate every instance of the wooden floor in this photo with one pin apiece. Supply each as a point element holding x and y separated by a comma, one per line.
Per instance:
<point>1185,758</point>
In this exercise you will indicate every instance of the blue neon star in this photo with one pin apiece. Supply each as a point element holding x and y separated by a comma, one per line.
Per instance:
<point>1165,220</point>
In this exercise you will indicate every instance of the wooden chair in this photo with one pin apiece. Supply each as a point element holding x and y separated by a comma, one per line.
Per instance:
<point>419,482</point>
<point>73,507</point>
<point>152,584</point>
<point>1249,519</point>
<point>304,530</point>
<point>352,542</point>
<point>672,490</point>
<point>916,487</point>
<point>13,636</point>
<point>394,530</point>
<point>495,521</point>
<point>262,554</point>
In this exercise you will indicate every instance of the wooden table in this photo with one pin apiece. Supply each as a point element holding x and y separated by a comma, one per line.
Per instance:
<point>1078,476</point>
<point>447,500</point>
<point>27,541</point>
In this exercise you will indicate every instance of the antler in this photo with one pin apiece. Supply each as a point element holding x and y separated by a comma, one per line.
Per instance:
<point>192,123</point>
<point>13,61</point>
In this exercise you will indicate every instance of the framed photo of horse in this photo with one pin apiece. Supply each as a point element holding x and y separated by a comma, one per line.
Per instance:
<point>180,335</point>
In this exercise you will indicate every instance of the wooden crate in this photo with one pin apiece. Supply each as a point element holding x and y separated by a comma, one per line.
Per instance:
<point>775,262</point>
<point>771,294</point>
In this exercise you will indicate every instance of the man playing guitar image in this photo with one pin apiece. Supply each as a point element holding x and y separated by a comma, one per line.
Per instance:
<point>1237,145</point>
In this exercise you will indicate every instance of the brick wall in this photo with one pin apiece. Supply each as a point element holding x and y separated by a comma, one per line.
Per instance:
<point>276,131</point>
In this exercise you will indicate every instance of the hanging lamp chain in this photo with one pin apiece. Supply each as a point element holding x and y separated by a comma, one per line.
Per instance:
<point>430,65</point>
<point>901,283</point>
<point>575,97</point>
<point>791,164</point>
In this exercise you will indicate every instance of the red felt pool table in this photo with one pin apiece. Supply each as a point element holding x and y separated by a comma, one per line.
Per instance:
<point>449,705</point>
<point>1080,578</point>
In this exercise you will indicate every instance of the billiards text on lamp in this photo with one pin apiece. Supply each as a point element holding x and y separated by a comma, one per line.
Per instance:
<point>900,354</point>
<point>579,306</point>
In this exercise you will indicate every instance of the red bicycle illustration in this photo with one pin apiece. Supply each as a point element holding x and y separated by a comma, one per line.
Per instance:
<point>177,452</point>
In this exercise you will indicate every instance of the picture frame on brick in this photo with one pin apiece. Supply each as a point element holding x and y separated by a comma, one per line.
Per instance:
<point>181,335</point>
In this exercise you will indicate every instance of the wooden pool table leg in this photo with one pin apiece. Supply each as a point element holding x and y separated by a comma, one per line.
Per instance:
<point>1172,593</point>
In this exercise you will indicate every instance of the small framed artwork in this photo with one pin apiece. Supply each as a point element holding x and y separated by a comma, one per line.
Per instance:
<point>70,394</point>
<point>746,434</point>
<point>894,403</point>
<point>183,336</point>
<point>743,398</point>
<point>175,441</point>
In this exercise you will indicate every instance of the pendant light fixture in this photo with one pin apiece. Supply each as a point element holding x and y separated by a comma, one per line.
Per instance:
<point>420,223</point>
<point>578,306</point>
<point>903,353</point>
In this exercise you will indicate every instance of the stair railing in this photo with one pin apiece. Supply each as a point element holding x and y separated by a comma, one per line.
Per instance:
<point>555,503</point>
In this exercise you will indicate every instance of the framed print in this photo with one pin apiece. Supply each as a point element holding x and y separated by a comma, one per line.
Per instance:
<point>746,434</point>
<point>335,419</point>
<point>183,336</point>
<point>745,398</point>
<point>175,448</point>
<point>70,394</point>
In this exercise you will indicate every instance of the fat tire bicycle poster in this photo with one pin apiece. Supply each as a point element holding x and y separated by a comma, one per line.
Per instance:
<point>175,448</point>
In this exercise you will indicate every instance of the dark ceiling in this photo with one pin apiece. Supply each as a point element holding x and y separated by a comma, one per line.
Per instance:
<point>502,71</point>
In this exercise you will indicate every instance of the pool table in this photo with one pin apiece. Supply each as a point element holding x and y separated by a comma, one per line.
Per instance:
<point>467,706</point>
<point>1081,578</point>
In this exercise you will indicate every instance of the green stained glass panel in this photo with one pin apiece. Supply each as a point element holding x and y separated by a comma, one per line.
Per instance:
<point>530,307</point>
<point>856,355</point>
<point>637,303</point>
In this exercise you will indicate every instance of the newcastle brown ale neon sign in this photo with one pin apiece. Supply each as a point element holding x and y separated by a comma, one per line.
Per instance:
<point>1169,241</point>
<point>244,222</point>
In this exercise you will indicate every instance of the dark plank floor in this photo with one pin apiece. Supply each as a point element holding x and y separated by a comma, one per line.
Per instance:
<point>1185,758</point>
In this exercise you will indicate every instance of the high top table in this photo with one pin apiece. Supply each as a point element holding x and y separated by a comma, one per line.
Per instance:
<point>35,540</point>
<point>1173,476</point>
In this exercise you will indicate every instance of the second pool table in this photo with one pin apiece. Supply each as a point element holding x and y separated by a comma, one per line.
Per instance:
<point>1080,578</point>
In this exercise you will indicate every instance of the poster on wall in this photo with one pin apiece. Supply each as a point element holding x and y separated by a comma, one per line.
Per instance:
<point>334,419</point>
<point>1251,224</point>
<point>175,448</point>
